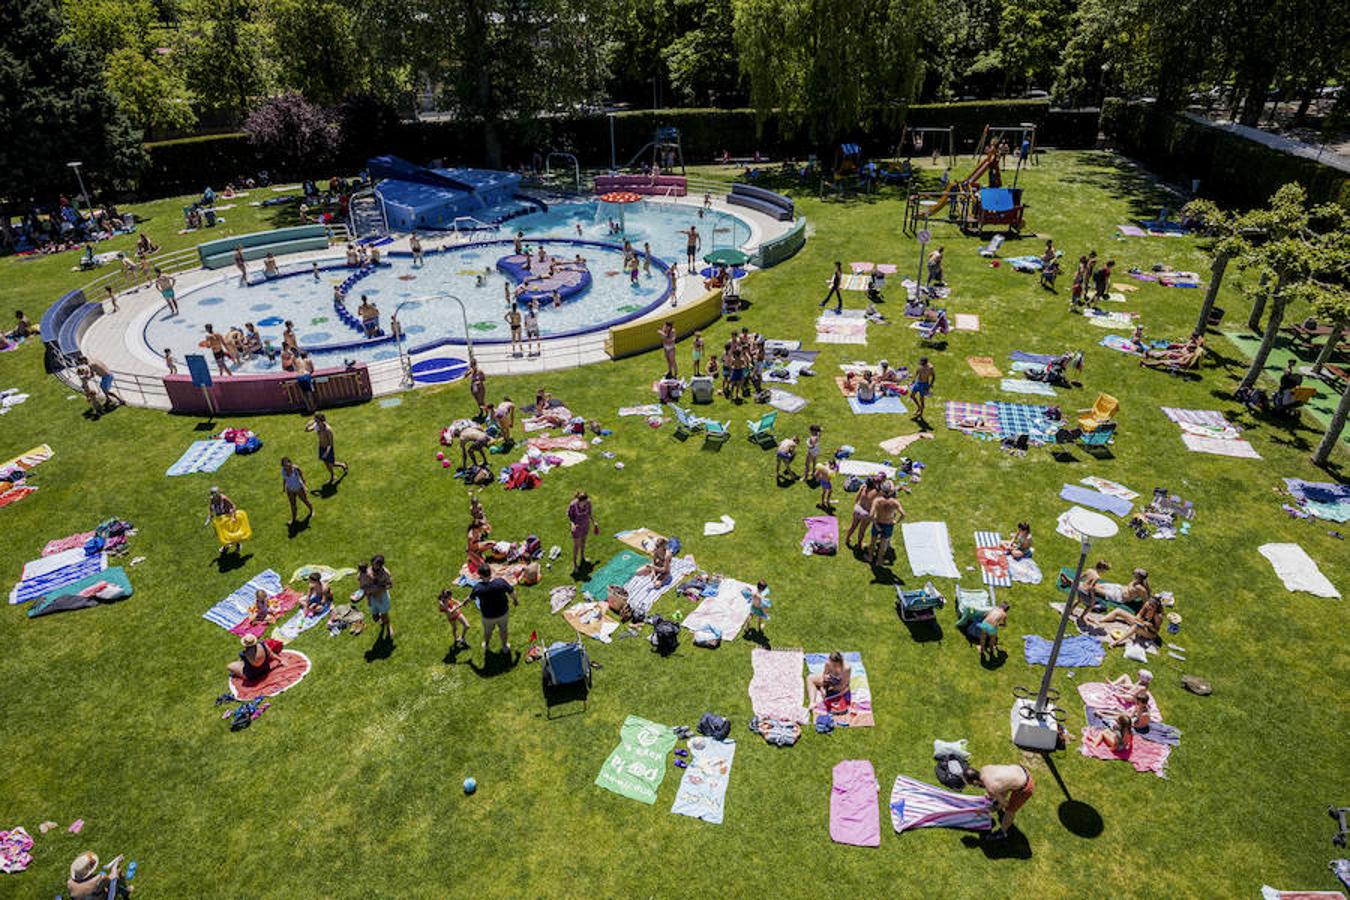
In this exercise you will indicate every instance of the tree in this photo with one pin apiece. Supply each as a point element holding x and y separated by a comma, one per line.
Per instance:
<point>1300,244</point>
<point>1334,429</point>
<point>294,134</point>
<point>316,49</point>
<point>701,58</point>
<point>223,47</point>
<point>152,94</point>
<point>1331,305</point>
<point>55,108</point>
<point>828,67</point>
<point>1030,42</point>
<point>105,26</point>
<point>1228,243</point>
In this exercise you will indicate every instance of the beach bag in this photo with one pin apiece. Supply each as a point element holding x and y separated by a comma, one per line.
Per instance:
<point>617,599</point>
<point>714,726</point>
<point>665,636</point>
<point>252,445</point>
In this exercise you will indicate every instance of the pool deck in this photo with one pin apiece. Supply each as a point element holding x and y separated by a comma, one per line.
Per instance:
<point>115,338</point>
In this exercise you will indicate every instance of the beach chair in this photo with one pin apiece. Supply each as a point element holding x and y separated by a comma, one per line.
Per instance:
<point>686,423</point>
<point>971,602</point>
<point>1097,441</point>
<point>761,431</point>
<point>919,606</point>
<point>565,664</point>
<point>715,432</point>
<point>1101,412</point>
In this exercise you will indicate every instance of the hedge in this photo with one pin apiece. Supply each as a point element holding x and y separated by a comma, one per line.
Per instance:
<point>1231,168</point>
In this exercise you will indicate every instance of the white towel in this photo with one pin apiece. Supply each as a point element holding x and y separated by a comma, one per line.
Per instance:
<point>725,526</point>
<point>1297,570</point>
<point>862,468</point>
<point>929,549</point>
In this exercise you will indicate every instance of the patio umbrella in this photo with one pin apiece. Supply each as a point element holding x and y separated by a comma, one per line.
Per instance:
<point>727,256</point>
<point>620,199</point>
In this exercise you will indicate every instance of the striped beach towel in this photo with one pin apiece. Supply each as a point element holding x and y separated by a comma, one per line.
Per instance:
<point>1027,386</point>
<point>238,606</point>
<point>1196,417</point>
<point>993,559</point>
<point>643,592</point>
<point>918,805</point>
<point>44,581</point>
<point>202,456</point>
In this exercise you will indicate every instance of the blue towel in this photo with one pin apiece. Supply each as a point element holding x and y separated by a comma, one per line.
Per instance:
<point>1095,500</point>
<point>884,403</point>
<point>1043,359</point>
<point>1076,651</point>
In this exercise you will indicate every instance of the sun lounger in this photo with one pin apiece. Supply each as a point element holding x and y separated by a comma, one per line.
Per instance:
<point>920,605</point>
<point>686,423</point>
<point>761,431</point>
<point>715,432</point>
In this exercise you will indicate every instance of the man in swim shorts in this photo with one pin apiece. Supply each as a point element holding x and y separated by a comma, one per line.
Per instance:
<point>164,283</point>
<point>1010,787</point>
<point>886,511</point>
<point>327,454</point>
<point>924,377</point>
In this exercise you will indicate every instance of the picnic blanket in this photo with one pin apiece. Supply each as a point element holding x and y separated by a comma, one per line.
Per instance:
<point>1121,343</point>
<point>1321,499</point>
<point>897,445</point>
<point>862,468</point>
<point>786,401</point>
<point>725,610</point>
<point>636,768</point>
<point>643,591</point>
<point>642,540</point>
<point>855,817</point>
<point>929,549</point>
<point>966,322</point>
<point>1145,756</point>
<point>1077,650</point>
<point>1297,570</point>
<point>983,366</point>
<point>1108,701</point>
<point>592,619</point>
<point>820,529</point>
<point>784,372</point>
<point>202,456</point>
<point>993,559</point>
<point>48,573</point>
<point>969,417</point>
<point>647,409</point>
<point>885,403</point>
<point>1024,418</point>
<point>1106,486</point>
<point>1095,500</point>
<point>1027,386</point>
<point>915,804</point>
<point>239,605</point>
<point>1040,359</point>
<point>616,571</point>
<point>703,789</point>
<point>842,328</point>
<point>1109,319</point>
<point>859,713</point>
<point>1236,447</point>
<point>278,679</point>
<point>776,684</point>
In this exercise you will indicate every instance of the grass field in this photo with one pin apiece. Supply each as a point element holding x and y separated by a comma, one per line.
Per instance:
<point>350,784</point>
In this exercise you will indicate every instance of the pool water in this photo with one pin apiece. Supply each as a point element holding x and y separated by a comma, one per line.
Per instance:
<point>416,292</point>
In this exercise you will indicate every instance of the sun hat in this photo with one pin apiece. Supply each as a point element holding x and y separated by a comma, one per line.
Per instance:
<point>1145,676</point>
<point>215,490</point>
<point>249,640</point>
<point>84,866</point>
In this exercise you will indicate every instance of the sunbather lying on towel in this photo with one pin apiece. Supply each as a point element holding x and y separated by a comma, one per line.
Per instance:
<point>830,686</point>
<point>1119,738</point>
<point>1185,356</point>
<point>1144,626</point>
<point>256,659</point>
<point>1134,697</point>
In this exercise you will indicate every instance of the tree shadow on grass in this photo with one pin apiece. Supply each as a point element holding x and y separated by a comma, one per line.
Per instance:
<point>1118,177</point>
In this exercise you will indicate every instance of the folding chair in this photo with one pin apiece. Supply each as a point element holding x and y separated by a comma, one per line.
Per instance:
<point>971,602</point>
<point>565,664</point>
<point>1102,411</point>
<point>686,423</point>
<point>921,605</point>
<point>715,432</point>
<point>1098,440</point>
<point>761,432</point>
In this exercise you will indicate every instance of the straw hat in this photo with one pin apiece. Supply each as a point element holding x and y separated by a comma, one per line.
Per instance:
<point>84,867</point>
<point>249,640</point>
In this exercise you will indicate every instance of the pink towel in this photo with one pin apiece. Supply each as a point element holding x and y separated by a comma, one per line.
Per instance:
<point>60,545</point>
<point>855,817</point>
<point>776,685</point>
<point>1145,756</point>
<point>821,528</point>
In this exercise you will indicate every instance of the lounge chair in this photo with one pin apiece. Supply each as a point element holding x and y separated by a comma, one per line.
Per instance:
<point>686,423</point>
<point>1098,439</point>
<point>920,605</point>
<point>971,602</point>
<point>761,432</point>
<point>715,432</point>
<point>1103,411</point>
<point>565,664</point>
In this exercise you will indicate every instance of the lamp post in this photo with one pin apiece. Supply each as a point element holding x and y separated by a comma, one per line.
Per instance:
<point>613,163</point>
<point>89,204</point>
<point>1034,726</point>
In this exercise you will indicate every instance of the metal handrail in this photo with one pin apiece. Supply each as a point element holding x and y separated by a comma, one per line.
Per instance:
<point>576,166</point>
<point>479,224</point>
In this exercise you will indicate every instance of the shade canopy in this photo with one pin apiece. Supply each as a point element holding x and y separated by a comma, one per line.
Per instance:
<point>727,256</point>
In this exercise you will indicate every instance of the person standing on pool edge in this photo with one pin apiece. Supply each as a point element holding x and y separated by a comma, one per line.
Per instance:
<point>691,244</point>
<point>164,283</point>
<point>327,454</point>
<point>835,280</point>
<point>478,387</point>
<point>513,320</point>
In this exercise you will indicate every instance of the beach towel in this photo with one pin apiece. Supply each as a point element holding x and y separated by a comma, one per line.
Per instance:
<point>327,574</point>
<point>1025,418</point>
<point>1157,732</point>
<point>966,322</point>
<point>1110,319</point>
<point>885,403</point>
<point>298,624</point>
<point>45,565</point>
<point>820,529</point>
<point>15,845</point>
<point>786,401</point>
<point>239,605</point>
<point>108,586</point>
<point>965,416</point>
<point>643,591</point>
<point>703,789</point>
<point>1238,447</point>
<point>615,572</point>
<point>725,611</point>
<point>1040,359</point>
<point>724,525</point>
<point>1078,650</point>
<point>773,345</point>
<point>202,456</point>
<point>565,442</point>
<point>1131,231</point>
<point>1296,569</point>
<point>1027,386</point>
<point>1321,499</point>
<point>278,679</point>
<point>1145,756</point>
<point>26,461</point>
<point>841,329</point>
<point>592,619</point>
<point>1195,416</point>
<point>637,766</point>
<point>993,559</point>
<point>39,580</point>
<point>1270,893</point>
<point>859,714</point>
<point>642,540</point>
<point>61,545</point>
<point>1106,486</point>
<point>1119,342</point>
<point>1109,701</point>
<point>1095,500</point>
<point>1025,263</point>
<point>897,445</point>
<point>14,493</point>
<point>929,549</point>
<point>863,469</point>
<point>1024,570</point>
<point>277,605</point>
<point>983,366</point>
<point>647,409</point>
<point>786,372</point>
<point>915,804</point>
<point>855,816</point>
<point>776,684</point>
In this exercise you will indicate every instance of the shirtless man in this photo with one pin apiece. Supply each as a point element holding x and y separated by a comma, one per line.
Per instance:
<point>327,454</point>
<point>886,511</point>
<point>473,443</point>
<point>514,321</point>
<point>691,245</point>
<point>415,246</point>
<point>105,380</point>
<point>164,284</point>
<point>924,377</point>
<point>862,510</point>
<point>505,414</point>
<point>1010,787</point>
<point>304,370</point>
<point>240,264</point>
<point>216,344</point>
<point>532,329</point>
<point>478,386</point>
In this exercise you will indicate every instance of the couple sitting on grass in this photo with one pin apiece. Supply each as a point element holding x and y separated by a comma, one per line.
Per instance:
<point>1133,604</point>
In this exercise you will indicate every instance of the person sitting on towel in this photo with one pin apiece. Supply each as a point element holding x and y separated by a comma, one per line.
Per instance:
<point>1020,545</point>
<point>1088,585</point>
<point>1135,697</point>
<point>866,391</point>
<point>830,686</point>
<point>1144,626</point>
<point>659,567</point>
<point>256,659</point>
<point>1119,737</point>
<point>888,375</point>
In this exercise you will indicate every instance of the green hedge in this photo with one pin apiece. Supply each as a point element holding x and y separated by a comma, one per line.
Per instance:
<point>1231,168</point>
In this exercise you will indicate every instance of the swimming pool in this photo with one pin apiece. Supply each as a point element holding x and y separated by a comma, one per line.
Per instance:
<point>416,293</point>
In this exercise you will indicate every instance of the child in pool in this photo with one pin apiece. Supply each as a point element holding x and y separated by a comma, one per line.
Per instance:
<point>454,614</point>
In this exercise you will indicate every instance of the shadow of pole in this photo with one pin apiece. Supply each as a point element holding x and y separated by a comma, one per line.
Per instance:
<point>1078,817</point>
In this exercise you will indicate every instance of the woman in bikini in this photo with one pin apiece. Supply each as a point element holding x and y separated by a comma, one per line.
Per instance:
<point>862,509</point>
<point>830,687</point>
<point>1144,627</point>
<point>1020,545</point>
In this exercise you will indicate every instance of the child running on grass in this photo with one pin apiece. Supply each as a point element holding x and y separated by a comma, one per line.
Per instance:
<point>787,451</point>
<point>454,614</point>
<point>759,603</point>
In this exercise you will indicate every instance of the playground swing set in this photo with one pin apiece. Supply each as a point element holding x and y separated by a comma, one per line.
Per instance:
<point>918,140</point>
<point>968,203</point>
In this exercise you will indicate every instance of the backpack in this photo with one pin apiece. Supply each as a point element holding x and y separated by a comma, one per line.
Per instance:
<point>714,726</point>
<point>665,636</point>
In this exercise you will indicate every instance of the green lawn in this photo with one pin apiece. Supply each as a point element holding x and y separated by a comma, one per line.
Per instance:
<point>349,785</point>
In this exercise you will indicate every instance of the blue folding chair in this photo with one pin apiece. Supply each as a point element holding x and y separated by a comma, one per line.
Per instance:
<point>565,664</point>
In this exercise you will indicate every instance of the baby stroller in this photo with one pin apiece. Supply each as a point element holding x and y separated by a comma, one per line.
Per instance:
<point>565,664</point>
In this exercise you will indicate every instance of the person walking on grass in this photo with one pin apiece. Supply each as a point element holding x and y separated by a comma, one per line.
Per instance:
<point>924,378</point>
<point>835,281</point>
<point>297,491</point>
<point>105,380</point>
<point>327,455</point>
<point>1101,280</point>
<point>581,519</point>
<point>477,387</point>
<point>492,596</point>
<point>375,582</point>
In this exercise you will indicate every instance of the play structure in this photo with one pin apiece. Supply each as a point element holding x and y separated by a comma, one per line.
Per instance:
<point>920,140</point>
<point>667,153</point>
<point>1021,141</point>
<point>848,160</point>
<point>415,196</point>
<point>968,203</point>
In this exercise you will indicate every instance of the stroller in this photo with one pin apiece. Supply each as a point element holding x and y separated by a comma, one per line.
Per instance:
<point>565,664</point>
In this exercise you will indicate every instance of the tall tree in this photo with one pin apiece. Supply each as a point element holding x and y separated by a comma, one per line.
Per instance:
<point>1332,306</point>
<point>1222,228</point>
<point>224,49</point>
<point>700,53</point>
<point>316,48</point>
<point>55,107</point>
<point>828,67</point>
<point>293,132</point>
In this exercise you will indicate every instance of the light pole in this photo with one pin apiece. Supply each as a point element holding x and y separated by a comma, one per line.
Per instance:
<point>1034,726</point>
<point>613,164</point>
<point>89,204</point>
